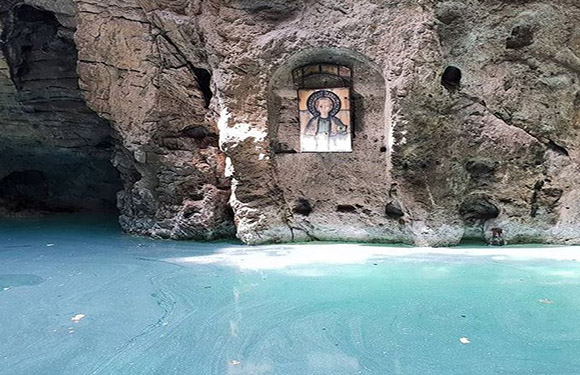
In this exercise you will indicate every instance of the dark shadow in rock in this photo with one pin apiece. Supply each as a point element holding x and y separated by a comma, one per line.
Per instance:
<point>24,190</point>
<point>302,207</point>
<point>522,36</point>
<point>451,78</point>
<point>481,167</point>
<point>58,156</point>
<point>394,210</point>
<point>478,208</point>
<point>346,208</point>
<point>203,77</point>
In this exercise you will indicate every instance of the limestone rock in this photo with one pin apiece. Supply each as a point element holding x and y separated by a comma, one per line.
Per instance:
<point>469,108</point>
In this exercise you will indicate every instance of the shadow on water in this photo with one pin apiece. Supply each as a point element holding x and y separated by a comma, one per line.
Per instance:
<point>8,281</point>
<point>81,234</point>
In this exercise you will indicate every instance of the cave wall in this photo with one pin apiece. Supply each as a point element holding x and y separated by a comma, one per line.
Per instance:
<point>159,97</point>
<point>199,95</point>
<point>55,150</point>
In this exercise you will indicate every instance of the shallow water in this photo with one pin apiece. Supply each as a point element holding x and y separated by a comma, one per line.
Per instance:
<point>78,297</point>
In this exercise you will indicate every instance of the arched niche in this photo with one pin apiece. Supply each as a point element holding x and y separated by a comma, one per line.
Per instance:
<point>341,189</point>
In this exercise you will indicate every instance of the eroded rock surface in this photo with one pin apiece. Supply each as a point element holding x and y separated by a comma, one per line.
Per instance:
<point>465,117</point>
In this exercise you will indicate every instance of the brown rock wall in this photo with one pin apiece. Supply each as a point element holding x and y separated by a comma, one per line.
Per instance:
<point>201,94</point>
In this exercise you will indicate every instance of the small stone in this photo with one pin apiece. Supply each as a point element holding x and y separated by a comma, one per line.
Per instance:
<point>140,156</point>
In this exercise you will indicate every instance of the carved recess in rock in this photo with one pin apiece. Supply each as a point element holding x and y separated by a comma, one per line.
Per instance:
<point>55,151</point>
<point>349,189</point>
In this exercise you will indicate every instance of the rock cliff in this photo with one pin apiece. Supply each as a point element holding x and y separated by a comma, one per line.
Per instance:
<point>465,115</point>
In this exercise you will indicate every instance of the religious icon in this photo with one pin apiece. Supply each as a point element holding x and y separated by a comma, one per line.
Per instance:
<point>325,120</point>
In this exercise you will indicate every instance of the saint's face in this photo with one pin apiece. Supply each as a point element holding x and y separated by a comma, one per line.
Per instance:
<point>324,106</point>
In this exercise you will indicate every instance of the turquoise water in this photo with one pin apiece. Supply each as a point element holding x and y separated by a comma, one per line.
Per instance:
<point>78,297</point>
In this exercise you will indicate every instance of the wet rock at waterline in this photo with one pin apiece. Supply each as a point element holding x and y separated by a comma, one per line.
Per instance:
<point>189,111</point>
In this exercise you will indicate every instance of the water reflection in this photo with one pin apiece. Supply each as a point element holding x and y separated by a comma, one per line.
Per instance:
<point>288,256</point>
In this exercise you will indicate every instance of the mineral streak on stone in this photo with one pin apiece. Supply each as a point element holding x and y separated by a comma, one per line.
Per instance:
<point>464,105</point>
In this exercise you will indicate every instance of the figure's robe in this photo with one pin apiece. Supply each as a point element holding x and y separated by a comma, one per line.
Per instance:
<point>330,126</point>
<point>325,134</point>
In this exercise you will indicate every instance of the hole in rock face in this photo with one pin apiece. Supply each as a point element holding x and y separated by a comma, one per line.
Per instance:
<point>557,148</point>
<point>204,81</point>
<point>302,207</point>
<point>27,13</point>
<point>31,43</point>
<point>394,210</point>
<point>191,211</point>
<point>451,77</point>
<point>521,36</point>
<point>481,167</point>
<point>345,208</point>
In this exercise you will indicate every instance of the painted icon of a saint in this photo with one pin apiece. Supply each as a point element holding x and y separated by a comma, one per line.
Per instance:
<point>323,130</point>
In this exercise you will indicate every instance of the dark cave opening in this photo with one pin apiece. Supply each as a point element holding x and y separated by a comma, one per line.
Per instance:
<point>56,151</point>
<point>204,81</point>
<point>451,78</point>
<point>21,190</point>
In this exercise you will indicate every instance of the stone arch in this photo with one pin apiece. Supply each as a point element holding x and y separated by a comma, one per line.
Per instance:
<point>339,188</point>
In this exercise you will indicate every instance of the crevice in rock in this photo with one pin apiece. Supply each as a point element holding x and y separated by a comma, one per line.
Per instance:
<point>549,143</point>
<point>544,197</point>
<point>478,208</point>
<point>310,236</point>
<point>204,81</point>
<point>394,210</point>
<point>533,201</point>
<point>557,148</point>
<point>202,76</point>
